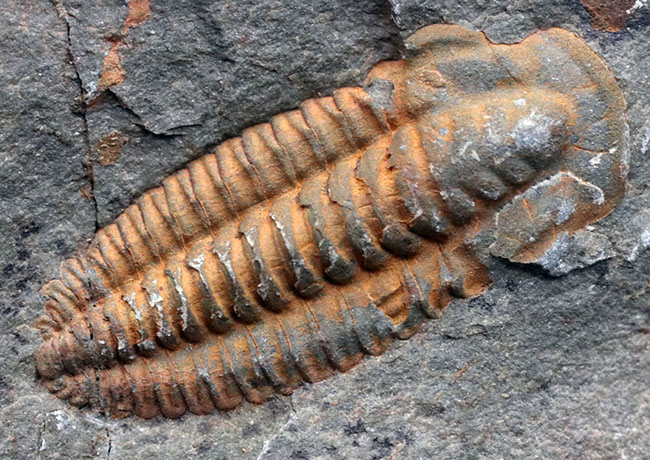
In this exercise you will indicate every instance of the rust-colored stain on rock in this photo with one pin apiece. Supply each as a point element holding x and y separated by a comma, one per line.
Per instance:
<point>608,15</point>
<point>86,192</point>
<point>310,241</point>
<point>109,148</point>
<point>139,11</point>
<point>112,73</point>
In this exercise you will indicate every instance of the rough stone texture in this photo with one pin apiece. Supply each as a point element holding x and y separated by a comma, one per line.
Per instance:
<point>582,249</point>
<point>610,15</point>
<point>538,367</point>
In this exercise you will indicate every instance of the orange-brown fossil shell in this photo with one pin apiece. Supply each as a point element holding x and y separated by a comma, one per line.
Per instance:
<point>290,252</point>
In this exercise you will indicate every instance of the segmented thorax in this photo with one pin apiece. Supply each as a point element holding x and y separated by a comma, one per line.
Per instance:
<point>316,238</point>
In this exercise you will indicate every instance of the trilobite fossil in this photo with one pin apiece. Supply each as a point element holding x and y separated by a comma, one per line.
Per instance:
<point>323,235</point>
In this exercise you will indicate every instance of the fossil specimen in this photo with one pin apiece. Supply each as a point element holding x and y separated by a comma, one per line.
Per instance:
<point>323,235</point>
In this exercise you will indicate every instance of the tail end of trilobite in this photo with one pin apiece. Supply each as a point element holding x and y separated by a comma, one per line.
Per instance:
<point>65,305</point>
<point>111,391</point>
<point>66,297</point>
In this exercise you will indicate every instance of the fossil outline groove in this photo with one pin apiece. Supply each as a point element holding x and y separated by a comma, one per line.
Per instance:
<point>320,237</point>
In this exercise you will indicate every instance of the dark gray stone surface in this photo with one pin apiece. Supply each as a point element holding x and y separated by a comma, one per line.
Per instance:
<point>538,367</point>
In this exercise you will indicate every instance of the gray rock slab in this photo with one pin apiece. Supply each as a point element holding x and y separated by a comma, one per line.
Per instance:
<point>44,212</point>
<point>582,249</point>
<point>537,368</point>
